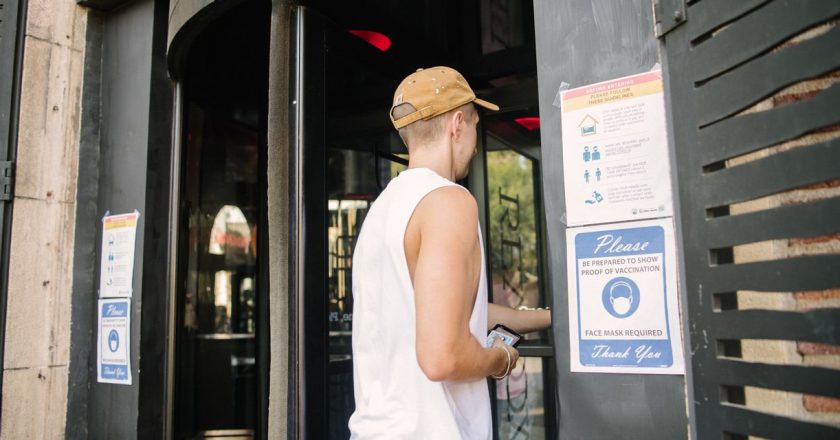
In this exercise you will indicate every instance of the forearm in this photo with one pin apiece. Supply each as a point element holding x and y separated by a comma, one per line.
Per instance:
<point>520,321</point>
<point>463,360</point>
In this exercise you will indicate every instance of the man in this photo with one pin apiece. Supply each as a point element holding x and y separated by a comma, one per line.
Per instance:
<point>420,294</point>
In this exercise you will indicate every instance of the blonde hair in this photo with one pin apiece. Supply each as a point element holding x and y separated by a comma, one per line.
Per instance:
<point>421,131</point>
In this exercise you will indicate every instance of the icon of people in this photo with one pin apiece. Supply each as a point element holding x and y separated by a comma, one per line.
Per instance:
<point>597,174</point>
<point>596,155</point>
<point>586,154</point>
<point>586,175</point>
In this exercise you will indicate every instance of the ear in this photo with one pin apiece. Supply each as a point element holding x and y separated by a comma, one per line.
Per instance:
<point>455,127</point>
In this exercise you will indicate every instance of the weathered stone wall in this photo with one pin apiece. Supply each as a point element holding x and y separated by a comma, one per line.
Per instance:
<point>40,273</point>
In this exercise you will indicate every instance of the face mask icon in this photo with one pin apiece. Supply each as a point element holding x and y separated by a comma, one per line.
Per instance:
<point>621,297</point>
<point>621,305</point>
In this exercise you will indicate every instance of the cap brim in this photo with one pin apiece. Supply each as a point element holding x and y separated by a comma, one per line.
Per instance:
<point>487,105</point>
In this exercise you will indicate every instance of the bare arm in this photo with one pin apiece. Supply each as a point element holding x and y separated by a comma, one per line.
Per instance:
<point>445,271</point>
<point>521,321</point>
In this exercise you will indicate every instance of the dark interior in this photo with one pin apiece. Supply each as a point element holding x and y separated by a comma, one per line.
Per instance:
<point>499,63</point>
<point>220,363</point>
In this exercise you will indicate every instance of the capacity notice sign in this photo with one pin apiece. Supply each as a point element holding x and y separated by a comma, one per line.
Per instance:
<point>117,266</point>
<point>615,151</point>
<point>623,306</point>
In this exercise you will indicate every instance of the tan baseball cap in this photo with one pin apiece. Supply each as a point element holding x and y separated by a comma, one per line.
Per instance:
<point>433,91</point>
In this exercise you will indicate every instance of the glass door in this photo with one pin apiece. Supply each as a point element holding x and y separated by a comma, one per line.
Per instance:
<point>348,151</point>
<point>524,400</point>
<point>348,155</point>
<point>221,296</point>
<point>355,179</point>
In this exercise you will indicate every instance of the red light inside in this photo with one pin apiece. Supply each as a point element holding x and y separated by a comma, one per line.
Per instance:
<point>375,39</point>
<point>530,123</point>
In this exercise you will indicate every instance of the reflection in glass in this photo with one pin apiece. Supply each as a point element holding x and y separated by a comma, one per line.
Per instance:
<point>355,179</point>
<point>513,230</point>
<point>217,351</point>
<point>231,234</point>
<point>222,301</point>
<point>345,222</point>
<point>514,240</point>
<point>520,402</point>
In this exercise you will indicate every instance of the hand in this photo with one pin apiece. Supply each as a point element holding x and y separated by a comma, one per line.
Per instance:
<point>505,368</point>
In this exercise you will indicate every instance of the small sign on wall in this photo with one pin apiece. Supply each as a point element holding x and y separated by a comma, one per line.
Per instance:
<point>623,302</point>
<point>615,151</point>
<point>116,268</point>
<point>113,348</point>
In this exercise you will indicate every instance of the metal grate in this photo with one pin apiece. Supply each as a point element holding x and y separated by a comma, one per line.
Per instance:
<point>754,89</point>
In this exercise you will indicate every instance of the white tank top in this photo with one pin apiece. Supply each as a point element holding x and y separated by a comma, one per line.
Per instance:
<point>394,399</point>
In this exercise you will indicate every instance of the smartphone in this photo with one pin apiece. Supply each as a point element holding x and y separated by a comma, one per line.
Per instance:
<point>507,336</point>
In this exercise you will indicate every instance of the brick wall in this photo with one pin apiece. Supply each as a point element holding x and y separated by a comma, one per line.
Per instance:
<point>809,407</point>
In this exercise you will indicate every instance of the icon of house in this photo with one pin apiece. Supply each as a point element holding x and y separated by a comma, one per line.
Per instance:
<point>587,125</point>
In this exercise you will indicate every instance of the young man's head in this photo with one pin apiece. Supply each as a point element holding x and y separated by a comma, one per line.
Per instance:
<point>435,109</point>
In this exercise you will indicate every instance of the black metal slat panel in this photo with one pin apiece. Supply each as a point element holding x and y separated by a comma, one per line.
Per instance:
<point>8,47</point>
<point>756,33</point>
<point>791,378</point>
<point>746,30</point>
<point>819,326</point>
<point>668,15</point>
<point>711,14</point>
<point>743,421</point>
<point>788,275</point>
<point>779,172</point>
<point>750,132</point>
<point>805,220</point>
<point>738,89</point>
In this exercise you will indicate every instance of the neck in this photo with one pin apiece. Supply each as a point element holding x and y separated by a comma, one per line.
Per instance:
<point>436,157</point>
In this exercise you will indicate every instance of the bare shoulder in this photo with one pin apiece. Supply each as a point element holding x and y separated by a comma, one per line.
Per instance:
<point>444,224</point>
<point>450,208</point>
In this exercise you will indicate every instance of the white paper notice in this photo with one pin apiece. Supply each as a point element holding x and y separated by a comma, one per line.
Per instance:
<point>117,265</point>
<point>113,341</point>
<point>623,306</point>
<point>615,154</point>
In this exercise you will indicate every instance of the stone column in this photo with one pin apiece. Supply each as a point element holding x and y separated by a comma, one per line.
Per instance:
<point>40,272</point>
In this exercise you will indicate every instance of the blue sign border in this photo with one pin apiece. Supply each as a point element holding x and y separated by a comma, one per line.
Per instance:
<point>586,246</point>
<point>114,373</point>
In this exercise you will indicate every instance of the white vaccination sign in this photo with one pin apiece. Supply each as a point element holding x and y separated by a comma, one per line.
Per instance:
<point>623,302</point>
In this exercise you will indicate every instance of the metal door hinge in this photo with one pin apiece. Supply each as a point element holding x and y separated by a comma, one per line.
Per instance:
<point>7,180</point>
<point>668,14</point>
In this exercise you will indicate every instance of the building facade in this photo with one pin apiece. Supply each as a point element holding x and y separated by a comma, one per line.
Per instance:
<point>250,138</point>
